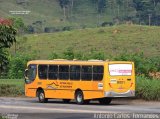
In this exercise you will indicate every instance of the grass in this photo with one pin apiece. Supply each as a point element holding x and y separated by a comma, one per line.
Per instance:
<point>1,117</point>
<point>11,87</point>
<point>110,40</point>
<point>148,89</point>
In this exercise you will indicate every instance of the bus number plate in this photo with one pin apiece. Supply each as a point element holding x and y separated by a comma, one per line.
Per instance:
<point>120,82</point>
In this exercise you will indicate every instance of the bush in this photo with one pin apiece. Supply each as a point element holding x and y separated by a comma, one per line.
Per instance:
<point>69,54</point>
<point>17,65</point>
<point>67,28</point>
<point>49,29</point>
<point>10,90</point>
<point>11,87</point>
<point>30,29</point>
<point>53,55</point>
<point>104,24</point>
<point>148,89</point>
<point>94,54</point>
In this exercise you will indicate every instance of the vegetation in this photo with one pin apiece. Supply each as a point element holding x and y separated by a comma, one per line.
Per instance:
<point>80,13</point>
<point>17,65</point>
<point>133,43</point>
<point>108,40</point>
<point>7,38</point>
<point>144,66</point>
<point>147,89</point>
<point>9,87</point>
<point>1,117</point>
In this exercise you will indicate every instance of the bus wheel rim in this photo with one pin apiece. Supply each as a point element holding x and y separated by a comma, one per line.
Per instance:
<point>79,98</point>
<point>41,96</point>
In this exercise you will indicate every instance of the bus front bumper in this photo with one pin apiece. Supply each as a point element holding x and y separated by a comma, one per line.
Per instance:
<point>129,93</point>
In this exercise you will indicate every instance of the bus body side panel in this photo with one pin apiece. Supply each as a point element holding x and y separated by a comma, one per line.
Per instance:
<point>30,89</point>
<point>30,92</point>
<point>69,94</point>
<point>66,89</point>
<point>90,89</point>
<point>93,94</point>
<point>61,94</point>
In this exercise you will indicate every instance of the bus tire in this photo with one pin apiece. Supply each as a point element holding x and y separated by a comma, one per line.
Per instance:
<point>66,100</point>
<point>41,97</point>
<point>105,101</point>
<point>79,97</point>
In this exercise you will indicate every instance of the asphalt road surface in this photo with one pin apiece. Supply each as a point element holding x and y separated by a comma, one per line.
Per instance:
<point>30,108</point>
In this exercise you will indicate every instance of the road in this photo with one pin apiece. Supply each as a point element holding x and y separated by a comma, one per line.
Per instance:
<point>29,107</point>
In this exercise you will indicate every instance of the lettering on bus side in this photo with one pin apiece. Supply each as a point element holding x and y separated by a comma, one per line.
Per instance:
<point>66,84</point>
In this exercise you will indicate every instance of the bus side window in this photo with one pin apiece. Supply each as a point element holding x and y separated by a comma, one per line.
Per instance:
<point>75,72</point>
<point>64,72</point>
<point>53,72</point>
<point>98,73</point>
<point>86,73</point>
<point>42,71</point>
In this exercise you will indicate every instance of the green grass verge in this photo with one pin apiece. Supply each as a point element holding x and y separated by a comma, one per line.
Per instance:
<point>11,87</point>
<point>147,89</point>
<point>1,117</point>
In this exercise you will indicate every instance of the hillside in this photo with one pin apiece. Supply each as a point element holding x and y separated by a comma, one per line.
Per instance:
<point>39,10</point>
<point>51,14</point>
<point>110,40</point>
<point>82,13</point>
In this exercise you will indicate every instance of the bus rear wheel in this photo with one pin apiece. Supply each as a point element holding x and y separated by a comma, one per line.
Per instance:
<point>41,97</point>
<point>79,97</point>
<point>66,100</point>
<point>105,101</point>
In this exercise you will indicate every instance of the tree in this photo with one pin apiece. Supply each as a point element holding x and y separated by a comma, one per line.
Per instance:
<point>145,9</point>
<point>155,2</point>
<point>7,38</point>
<point>119,3</point>
<point>72,4</point>
<point>18,24</point>
<point>101,6</point>
<point>64,4</point>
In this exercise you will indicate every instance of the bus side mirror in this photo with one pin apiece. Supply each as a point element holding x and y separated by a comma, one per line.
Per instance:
<point>26,74</point>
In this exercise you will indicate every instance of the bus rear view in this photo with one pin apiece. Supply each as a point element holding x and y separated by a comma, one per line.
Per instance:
<point>120,79</point>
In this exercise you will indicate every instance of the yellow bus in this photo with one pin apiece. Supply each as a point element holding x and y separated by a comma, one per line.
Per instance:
<point>79,80</point>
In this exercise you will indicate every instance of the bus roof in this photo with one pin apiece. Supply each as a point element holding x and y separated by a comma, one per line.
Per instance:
<point>60,61</point>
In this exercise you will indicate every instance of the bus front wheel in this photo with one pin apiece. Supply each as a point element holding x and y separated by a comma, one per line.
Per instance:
<point>105,101</point>
<point>41,97</point>
<point>79,97</point>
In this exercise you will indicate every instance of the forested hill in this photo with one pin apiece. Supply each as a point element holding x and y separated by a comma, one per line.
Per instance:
<point>82,13</point>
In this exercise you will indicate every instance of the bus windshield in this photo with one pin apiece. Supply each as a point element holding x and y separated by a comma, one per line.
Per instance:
<point>120,69</point>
